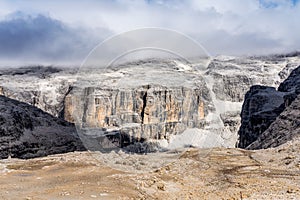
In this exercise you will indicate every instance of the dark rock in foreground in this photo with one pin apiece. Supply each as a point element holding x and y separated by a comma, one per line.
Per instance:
<point>284,129</point>
<point>271,117</point>
<point>259,111</point>
<point>27,132</point>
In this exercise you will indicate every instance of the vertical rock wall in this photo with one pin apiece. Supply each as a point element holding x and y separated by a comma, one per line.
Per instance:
<point>158,111</point>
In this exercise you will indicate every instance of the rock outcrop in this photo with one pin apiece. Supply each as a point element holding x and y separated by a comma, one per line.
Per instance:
<point>42,87</point>
<point>233,77</point>
<point>142,104</point>
<point>154,98</point>
<point>261,107</point>
<point>269,116</point>
<point>28,132</point>
<point>145,112</point>
<point>285,128</point>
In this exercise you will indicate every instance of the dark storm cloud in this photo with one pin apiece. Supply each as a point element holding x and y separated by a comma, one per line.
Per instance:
<point>41,38</point>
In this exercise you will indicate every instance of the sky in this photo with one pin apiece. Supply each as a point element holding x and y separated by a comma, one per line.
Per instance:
<point>65,31</point>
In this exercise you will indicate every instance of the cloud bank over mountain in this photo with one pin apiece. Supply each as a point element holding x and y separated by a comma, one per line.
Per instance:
<point>65,31</point>
<point>42,39</point>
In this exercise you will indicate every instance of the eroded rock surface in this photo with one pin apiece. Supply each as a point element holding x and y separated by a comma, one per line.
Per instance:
<point>218,173</point>
<point>285,128</point>
<point>269,116</point>
<point>152,98</point>
<point>261,107</point>
<point>28,132</point>
<point>42,87</point>
<point>155,111</point>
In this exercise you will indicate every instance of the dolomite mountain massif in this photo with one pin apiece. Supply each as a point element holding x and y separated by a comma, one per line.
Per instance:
<point>171,102</point>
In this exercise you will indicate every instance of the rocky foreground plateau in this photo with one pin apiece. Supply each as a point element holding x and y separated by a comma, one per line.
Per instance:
<point>216,173</point>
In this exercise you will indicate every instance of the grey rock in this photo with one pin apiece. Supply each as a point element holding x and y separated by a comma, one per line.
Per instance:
<point>28,132</point>
<point>233,77</point>
<point>169,105</point>
<point>292,83</point>
<point>269,116</point>
<point>42,87</point>
<point>231,119</point>
<point>260,109</point>
<point>285,128</point>
<point>142,113</point>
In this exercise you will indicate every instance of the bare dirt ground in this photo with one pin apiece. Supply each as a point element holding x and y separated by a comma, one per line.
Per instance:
<point>217,173</point>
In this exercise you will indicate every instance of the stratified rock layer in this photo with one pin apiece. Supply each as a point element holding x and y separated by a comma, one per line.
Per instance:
<point>146,112</point>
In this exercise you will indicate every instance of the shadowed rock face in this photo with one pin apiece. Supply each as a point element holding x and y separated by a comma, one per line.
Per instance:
<point>260,109</point>
<point>269,116</point>
<point>28,132</point>
<point>292,83</point>
<point>285,128</point>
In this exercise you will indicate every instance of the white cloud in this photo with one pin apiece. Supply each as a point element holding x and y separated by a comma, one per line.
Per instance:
<point>232,6</point>
<point>223,27</point>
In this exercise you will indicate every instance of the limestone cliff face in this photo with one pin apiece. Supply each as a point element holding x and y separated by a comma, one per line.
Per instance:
<point>156,111</point>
